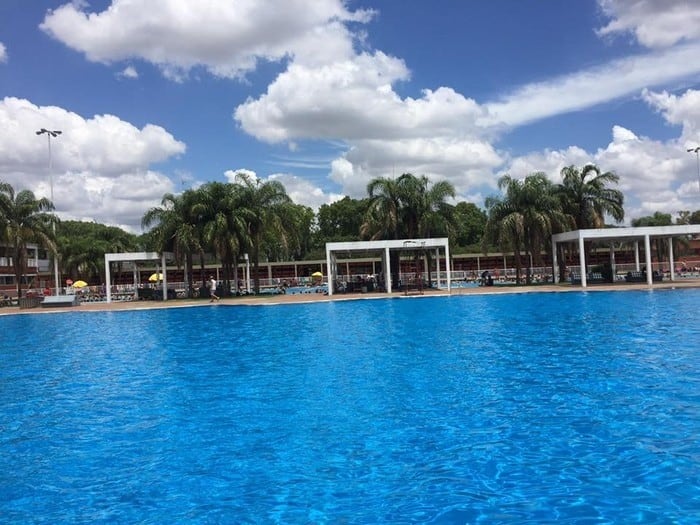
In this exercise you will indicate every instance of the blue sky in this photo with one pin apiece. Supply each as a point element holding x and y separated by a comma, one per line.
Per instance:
<point>155,96</point>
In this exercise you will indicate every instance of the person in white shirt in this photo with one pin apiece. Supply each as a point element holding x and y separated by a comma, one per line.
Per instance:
<point>212,290</point>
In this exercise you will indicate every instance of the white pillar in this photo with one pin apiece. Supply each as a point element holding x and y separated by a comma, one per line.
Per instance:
<point>670,258</point>
<point>582,262</point>
<point>330,272</point>
<point>647,259</point>
<point>636,255</point>
<point>612,260</point>
<point>387,270</point>
<point>108,280</point>
<point>555,266</point>
<point>437,268</point>
<point>247,273</point>
<point>448,271</point>
<point>165,279</point>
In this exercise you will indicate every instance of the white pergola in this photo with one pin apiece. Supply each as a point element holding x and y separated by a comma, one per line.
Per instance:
<point>135,257</point>
<point>644,234</point>
<point>385,247</point>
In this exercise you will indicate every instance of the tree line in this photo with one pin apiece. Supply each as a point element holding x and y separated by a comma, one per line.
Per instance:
<point>220,222</point>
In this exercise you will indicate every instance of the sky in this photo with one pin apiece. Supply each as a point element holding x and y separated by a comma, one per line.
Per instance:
<point>158,96</point>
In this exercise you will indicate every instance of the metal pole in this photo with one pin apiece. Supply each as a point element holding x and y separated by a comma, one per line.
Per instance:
<point>696,150</point>
<point>50,134</point>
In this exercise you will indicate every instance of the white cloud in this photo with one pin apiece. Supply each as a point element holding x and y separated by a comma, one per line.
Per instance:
<point>681,110</point>
<point>653,23</point>
<point>654,175</point>
<point>100,166</point>
<point>129,72</point>
<point>301,191</point>
<point>353,101</point>
<point>346,99</point>
<point>227,38</point>
<point>232,174</point>
<point>304,192</point>
<point>587,88</point>
<point>3,53</point>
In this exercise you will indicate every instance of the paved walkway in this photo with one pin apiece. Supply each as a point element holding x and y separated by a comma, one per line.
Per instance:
<point>317,297</point>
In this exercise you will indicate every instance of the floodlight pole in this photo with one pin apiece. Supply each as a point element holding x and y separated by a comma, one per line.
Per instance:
<point>696,150</point>
<point>52,133</point>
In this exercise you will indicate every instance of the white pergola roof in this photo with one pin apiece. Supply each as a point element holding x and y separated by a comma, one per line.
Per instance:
<point>134,257</point>
<point>645,233</point>
<point>611,234</point>
<point>332,248</point>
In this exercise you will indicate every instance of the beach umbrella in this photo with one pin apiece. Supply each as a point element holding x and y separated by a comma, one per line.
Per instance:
<point>155,277</point>
<point>317,274</point>
<point>79,284</point>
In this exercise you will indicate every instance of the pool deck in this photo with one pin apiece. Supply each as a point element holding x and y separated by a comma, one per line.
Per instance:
<point>318,297</point>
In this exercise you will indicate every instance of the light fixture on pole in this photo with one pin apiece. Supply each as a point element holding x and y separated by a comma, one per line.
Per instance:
<point>696,150</point>
<point>52,133</point>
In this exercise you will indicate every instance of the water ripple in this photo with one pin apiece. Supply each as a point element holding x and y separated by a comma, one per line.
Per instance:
<point>533,408</point>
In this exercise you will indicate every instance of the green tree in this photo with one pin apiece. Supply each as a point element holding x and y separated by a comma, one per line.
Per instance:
<point>523,219</point>
<point>82,247</point>
<point>382,219</point>
<point>177,227</point>
<point>658,219</point>
<point>225,225</point>
<point>341,220</point>
<point>264,206</point>
<point>470,222</point>
<point>298,240</point>
<point>25,219</point>
<point>407,207</point>
<point>586,196</point>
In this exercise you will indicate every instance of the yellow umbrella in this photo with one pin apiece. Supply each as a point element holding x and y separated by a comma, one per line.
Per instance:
<point>79,284</point>
<point>156,277</point>
<point>317,274</point>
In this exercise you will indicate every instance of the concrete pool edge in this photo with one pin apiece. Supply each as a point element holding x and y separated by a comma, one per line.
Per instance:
<point>275,300</point>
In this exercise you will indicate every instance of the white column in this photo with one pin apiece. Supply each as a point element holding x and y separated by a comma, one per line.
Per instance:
<point>636,255</point>
<point>647,259</point>
<point>612,260</point>
<point>247,273</point>
<point>448,270</point>
<point>555,266</point>
<point>387,270</point>
<point>330,272</point>
<point>670,258</point>
<point>437,268</point>
<point>582,262</point>
<point>165,279</point>
<point>108,280</point>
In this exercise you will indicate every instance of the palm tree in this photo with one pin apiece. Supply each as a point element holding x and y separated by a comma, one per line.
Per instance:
<point>224,228</point>
<point>177,227</point>
<point>382,219</point>
<point>263,208</point>
<point>585,196</point>
<point>523,219</point>
<point>425,211</point>
<point>25,219</point>
<point>407,207</point>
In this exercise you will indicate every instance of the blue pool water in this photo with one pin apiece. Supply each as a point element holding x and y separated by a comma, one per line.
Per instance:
<point>526,408</point>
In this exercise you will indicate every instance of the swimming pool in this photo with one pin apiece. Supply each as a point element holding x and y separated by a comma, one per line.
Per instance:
<point>523,408</point>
